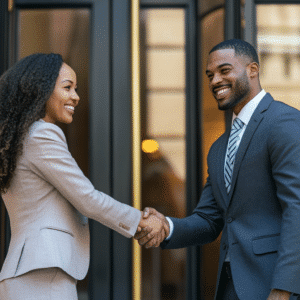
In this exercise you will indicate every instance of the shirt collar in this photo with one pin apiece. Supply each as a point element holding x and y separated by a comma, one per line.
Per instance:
<point>248,110</point>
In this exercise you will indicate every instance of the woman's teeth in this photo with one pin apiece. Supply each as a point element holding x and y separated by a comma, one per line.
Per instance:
<point>69,107</point>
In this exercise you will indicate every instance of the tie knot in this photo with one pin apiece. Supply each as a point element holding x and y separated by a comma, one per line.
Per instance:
<point>237,124</point>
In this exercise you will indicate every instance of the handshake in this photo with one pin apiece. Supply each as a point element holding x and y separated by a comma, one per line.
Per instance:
<point>153,228</point>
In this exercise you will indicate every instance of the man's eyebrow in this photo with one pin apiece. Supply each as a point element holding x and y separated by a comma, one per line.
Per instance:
<point>223,65</point>
<point>220,66</point>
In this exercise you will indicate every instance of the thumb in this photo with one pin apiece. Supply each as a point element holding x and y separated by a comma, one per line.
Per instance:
<point>146,212</point>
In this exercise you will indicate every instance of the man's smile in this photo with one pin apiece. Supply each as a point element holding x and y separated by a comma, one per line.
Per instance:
<point>221,92</point>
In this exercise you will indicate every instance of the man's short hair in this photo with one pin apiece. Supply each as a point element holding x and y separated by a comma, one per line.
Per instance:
<point>240,47</point>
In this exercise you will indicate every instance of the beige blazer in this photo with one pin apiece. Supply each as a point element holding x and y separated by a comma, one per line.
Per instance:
<point>49,203</point>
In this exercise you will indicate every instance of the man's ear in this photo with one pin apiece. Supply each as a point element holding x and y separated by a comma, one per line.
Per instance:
<point>253,70</point>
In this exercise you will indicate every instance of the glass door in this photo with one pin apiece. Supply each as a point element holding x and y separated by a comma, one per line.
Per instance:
<point>163,101</point>
<point>278,45</point>
<point>92,36</point>
<point>170,139</point>
<point>67,32</point>
<point>273,27</point>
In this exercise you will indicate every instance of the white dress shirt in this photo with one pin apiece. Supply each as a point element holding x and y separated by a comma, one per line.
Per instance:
<point>245,116</point>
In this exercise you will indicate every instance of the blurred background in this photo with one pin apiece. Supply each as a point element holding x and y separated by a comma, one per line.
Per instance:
<point>179,119</point>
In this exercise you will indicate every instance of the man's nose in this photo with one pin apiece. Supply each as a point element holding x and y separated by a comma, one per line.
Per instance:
<point>216,79</point>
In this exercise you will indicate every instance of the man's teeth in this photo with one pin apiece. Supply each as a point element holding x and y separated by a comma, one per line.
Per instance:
<point>222,91</point>
<point>69,107</point>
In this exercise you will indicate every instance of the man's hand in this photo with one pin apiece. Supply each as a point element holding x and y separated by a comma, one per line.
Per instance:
<point>152,219</point>
<point>279,295</point>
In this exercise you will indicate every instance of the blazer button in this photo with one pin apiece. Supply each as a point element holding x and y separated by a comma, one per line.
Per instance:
<point>224,246</point>
<point>229,220</point>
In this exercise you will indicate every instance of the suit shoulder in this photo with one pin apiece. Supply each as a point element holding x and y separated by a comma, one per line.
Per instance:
<point>45,130</point>
<point>219,140</point>
<point>217,143</point>
<point>280,108</point>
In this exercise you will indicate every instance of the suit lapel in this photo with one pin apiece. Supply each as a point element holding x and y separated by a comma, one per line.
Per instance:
<point>246,139</point>
<point>221,162</point>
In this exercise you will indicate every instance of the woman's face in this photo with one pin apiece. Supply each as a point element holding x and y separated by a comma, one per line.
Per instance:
<point>61,104</point>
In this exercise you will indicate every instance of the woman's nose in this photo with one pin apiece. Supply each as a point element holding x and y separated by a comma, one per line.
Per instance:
<point>75,96</point>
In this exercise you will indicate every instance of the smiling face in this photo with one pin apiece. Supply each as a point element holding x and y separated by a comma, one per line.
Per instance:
<point>231,79</point>
<point>61,104</point>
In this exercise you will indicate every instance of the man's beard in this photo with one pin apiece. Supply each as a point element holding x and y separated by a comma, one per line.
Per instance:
<point>241,90</point>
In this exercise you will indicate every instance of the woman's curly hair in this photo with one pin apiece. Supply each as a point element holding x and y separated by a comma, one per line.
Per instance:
<point>24,91</point>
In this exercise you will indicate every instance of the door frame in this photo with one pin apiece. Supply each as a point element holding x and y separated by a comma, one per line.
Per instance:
<point>193,130</point>
<point>110,129</point>
<point>250,17</point>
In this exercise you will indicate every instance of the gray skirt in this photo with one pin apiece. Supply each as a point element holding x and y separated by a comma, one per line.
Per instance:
<point>41,284</point>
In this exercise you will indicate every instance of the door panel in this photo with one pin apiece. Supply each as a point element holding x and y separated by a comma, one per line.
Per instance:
<point>213,126</point>
<point>171,138</point>
<point>64,31</point>
<point>94,38</point>
<point>163,100</point>
<point>66,27</point>
<point>278,46</point>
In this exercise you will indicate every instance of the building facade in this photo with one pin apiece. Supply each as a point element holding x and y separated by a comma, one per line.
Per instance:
<point>146,118</point>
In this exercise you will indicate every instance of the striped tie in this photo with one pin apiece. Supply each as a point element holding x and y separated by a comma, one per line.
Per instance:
<point>231,151</point>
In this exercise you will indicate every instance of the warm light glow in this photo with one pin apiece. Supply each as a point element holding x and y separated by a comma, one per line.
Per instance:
<point>149,146</point>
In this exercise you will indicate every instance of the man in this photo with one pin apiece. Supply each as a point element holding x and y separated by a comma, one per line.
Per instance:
<point>252,192</point>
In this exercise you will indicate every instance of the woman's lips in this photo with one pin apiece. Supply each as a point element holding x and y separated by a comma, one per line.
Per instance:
<point>70,108</point>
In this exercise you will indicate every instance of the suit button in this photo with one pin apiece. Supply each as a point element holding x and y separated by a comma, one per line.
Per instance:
<point>229,220</point>
<point>224,246</point>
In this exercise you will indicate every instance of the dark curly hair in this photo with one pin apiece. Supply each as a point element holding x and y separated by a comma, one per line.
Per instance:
<point>24,91</point>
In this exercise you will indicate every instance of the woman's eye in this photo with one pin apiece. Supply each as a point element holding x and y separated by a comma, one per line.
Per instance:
<point>68,87</point>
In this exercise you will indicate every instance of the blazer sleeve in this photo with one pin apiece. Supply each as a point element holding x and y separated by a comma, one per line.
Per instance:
<point>48,156</point>
<point>284,149</point>
<point>202,227</point>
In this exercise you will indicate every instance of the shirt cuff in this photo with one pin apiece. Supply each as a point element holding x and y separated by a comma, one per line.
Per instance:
<point>171,228</point>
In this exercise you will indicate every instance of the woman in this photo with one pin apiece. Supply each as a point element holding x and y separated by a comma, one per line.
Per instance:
<point>48,198</point>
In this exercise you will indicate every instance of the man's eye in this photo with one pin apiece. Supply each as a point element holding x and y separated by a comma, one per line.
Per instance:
<point>224,71</point>
<point>68,87</point>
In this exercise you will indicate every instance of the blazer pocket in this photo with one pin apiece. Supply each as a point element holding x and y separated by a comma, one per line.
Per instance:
<point>266,244</point>
<point>50,247</point>
<point>58,229</point>
<point>19,260</point>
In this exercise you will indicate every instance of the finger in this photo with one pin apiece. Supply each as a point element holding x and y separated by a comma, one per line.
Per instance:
<point>161,238</point>
<point>154,242</point>
<point>146,212</point>
<point>146,239</point>
<point>142,233</point>
<point>151,244</point>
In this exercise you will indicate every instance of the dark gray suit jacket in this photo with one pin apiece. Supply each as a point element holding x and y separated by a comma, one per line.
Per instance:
<point>260,217</point>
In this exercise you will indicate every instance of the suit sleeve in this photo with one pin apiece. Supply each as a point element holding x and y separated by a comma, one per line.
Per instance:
<point>202,227</point>
<point>284,148</point>
<point>48,156</point>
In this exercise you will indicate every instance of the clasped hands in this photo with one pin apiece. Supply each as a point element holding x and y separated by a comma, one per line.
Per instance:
<point>153,228</point>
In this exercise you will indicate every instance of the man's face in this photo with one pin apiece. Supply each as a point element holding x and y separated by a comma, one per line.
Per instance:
<point>228,78</point>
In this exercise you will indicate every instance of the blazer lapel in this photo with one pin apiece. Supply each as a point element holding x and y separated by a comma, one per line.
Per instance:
<point>251,128</point>
<point>221,162</point>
